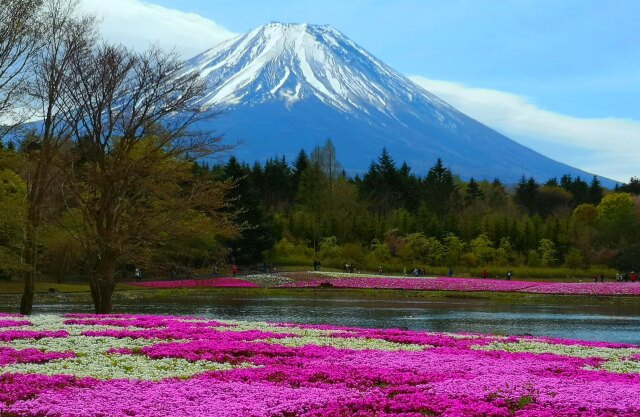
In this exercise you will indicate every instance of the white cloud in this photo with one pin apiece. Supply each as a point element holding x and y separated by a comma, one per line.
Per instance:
<point>139,24</point>
<point>607,146</point>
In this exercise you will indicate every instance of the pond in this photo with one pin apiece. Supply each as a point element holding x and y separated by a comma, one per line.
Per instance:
<point>574,318</point>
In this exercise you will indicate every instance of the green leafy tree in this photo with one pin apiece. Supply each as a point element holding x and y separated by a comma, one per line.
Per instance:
<point>454,247</point>
<point>505,254</point>
<point>329,248</point>
<point>482,249</point>
<point>548,255</point>
<point>574,259</point>
<point>617,219</point>
<point>12,222</point>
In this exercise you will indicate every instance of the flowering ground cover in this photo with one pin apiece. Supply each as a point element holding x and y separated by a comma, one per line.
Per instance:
<point>126,365</point>
<point>198,283</point>
<point>340,280</point>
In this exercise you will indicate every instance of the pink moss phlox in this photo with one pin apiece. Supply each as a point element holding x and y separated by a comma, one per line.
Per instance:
<point>9,335</point>
<point>14,323</point>
<point>10,355</point>
<point>15,387</point>
<point>11,315</point>
<point>470,284</point>
<point>177,332</point>
<point>199,283</point>
<point>447,379</point>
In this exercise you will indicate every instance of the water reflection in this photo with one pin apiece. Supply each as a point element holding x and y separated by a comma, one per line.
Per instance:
<point>615,322</point>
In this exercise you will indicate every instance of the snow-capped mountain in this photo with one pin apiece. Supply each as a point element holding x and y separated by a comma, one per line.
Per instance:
<point>283,87</point>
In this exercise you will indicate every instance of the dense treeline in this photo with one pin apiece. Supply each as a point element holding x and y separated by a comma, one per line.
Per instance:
<point>310,209</point>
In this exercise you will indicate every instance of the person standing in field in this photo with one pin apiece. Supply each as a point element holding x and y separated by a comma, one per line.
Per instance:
<point>509,275</point>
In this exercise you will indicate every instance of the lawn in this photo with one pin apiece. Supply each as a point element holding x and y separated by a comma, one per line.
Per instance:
<point>125,365</point>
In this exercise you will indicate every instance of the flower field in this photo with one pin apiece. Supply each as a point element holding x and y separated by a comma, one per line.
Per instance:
<point>128,365</point>
<point>340,280</point>
<point>197,283</point>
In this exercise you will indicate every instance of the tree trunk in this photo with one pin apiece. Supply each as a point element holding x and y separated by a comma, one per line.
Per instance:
<point>31,259</point>
<point>102,283</point>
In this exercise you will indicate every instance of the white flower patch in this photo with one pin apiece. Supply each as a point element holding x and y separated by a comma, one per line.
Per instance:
<point>108,367</point>
<point>576,351</point>
<point>620,366</point>
<point>242,326</point>
<point>357,275</point>
<point>81,345</point>
<point>616,360</point>
<point>318,337</point>
<point>346,343</point>
<point>267,280</point>
<point>460,336</point>
<point>92,357</point>
<point>51,322</point>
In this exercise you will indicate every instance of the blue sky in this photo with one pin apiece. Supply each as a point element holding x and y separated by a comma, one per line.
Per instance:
<point>560,76</point>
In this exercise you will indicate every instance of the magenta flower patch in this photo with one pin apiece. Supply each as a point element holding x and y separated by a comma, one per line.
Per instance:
<point>150,366</point>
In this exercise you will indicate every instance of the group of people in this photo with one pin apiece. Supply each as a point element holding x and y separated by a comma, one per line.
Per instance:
<point>416,272</point>
<point>633,277</point>
<point>348,267</point>
<point>508,275</point>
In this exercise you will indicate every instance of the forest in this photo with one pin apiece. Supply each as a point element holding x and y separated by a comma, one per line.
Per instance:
<point>311,209</point>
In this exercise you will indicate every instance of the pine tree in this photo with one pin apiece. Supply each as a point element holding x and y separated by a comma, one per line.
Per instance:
<point>595,191</point>
<point>473,192</point>
<point>526,192</point>
<point>261,232</point>
<point>440,188</point>
<point>552,182</point>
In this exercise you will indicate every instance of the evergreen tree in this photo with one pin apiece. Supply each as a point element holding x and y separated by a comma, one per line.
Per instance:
<point>552,182</point>
<point>260,231</point>
<point>595,191</point>
<point>473,192</point>
<point>299,166</point>
<point>277,184</point>
<point>632,187</point>
<point>440,189</point>
<point>526,192</point>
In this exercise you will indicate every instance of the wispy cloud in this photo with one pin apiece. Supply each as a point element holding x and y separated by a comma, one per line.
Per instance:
<point>139,24</point>
<point>607,146</point>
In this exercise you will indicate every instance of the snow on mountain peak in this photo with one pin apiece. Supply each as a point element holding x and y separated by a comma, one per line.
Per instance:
<point>291,62</point>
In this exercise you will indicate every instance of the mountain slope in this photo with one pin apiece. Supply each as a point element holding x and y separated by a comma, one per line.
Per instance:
<point>283,87</point>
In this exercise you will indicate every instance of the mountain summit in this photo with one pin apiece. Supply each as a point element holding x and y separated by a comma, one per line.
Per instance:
<point>283,87</point>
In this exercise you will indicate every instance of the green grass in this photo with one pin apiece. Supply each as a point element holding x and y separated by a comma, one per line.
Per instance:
<point>15,287</point>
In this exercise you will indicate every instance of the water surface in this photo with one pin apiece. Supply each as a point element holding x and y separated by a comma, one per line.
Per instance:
<point>566,318</point>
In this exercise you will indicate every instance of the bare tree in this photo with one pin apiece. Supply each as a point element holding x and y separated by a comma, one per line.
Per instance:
<point>64,34</point>
<point>19,39</point>
<point>134,117</point>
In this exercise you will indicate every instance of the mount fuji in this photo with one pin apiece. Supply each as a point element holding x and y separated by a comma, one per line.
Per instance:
<point>284,87</point>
